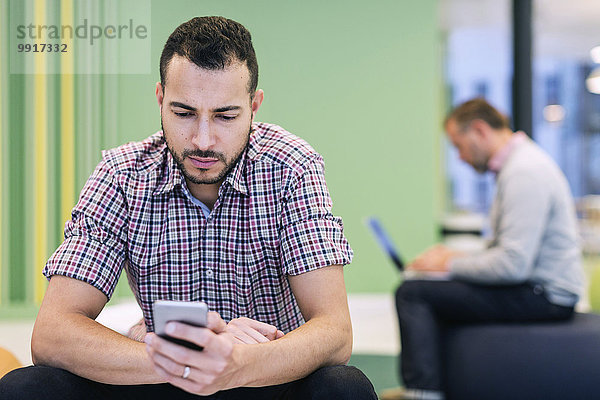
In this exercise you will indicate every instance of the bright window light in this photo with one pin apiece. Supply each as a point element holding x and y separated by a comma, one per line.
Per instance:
<point>595,54</point>
<point>554,113</point>
<point>593,81</point>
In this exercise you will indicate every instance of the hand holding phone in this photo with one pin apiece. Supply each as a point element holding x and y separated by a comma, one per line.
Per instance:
<point>191,313</point>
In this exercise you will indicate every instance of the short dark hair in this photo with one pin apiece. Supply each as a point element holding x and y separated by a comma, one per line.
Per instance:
<point>211,43</point>
<point>474,109</point>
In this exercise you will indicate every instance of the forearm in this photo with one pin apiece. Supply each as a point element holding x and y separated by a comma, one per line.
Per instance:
<point>319,342</point>
<point>496,265</point>
<point>86,348</point>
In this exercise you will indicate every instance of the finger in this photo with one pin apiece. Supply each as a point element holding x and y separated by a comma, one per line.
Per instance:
<point>215,323</point>
<point>246,334</point>
<point>191,384</point>
<point>433,267</point>
<point>415,265</point>
<point>137,331</point>
<point>162,373</point>
<point>231,338</point>
<point>196,383</point>
<point>179,354</point>
<point>203,337</point>
<point>259,331</point>
<point>265,329</point>
<point>280,334</point>
<point>138,336</point>
<point>168,365</point>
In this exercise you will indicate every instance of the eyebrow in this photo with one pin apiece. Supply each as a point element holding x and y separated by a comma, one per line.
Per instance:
<point>182,105</point>
<point>216,110</point>
<point>227,108</point>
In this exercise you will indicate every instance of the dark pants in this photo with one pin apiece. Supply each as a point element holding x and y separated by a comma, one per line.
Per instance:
<point>425,307</point>
<point>39,382</point>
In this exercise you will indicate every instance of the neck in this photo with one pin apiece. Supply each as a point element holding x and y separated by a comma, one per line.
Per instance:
<point>206,193</point>
<point>501,139</point>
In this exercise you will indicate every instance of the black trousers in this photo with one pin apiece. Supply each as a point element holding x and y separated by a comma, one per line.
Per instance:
<point>425,307</point>
<point>39,382</point>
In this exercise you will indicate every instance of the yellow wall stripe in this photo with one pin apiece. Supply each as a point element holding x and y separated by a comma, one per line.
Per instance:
<point>67,118</point>
<point>40,188</point>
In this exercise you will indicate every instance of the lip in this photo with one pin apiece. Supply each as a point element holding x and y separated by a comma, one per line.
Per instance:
<point>203,163</point>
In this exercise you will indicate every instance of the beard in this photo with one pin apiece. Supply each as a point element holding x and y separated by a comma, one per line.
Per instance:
<point>480,167</point>
<point>480,159</point>
<point>229,162</point>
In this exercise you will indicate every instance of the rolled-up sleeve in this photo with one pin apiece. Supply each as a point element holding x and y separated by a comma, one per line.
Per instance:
<point>94,246</point>
<point>311,236</point>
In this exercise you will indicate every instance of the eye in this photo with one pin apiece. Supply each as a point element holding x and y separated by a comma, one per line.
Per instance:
<point>182,114</point>
<point>225,117</point>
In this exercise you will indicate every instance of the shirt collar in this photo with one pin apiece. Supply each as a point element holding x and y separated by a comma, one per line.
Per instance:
<point>171,176</point>
<point>496,163</point>
<point>237,176</point>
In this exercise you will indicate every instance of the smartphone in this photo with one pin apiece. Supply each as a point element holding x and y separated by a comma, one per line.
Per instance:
<point>187,312</point>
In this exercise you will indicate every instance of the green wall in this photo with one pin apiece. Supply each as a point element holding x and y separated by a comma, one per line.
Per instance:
<point>360,81</point>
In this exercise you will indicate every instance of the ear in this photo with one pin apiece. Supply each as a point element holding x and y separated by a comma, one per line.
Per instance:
<point>481,128</point>
<point>257,100</point>
<point>159,95</point>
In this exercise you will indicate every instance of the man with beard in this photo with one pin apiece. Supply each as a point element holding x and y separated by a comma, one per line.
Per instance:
<point>214,208</point>
<point>531,270</point>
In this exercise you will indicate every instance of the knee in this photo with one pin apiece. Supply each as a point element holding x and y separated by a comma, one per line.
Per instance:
<point>35,382</point>
<point>338,382</point>
<point>408,291</point>
<point>18,384</point>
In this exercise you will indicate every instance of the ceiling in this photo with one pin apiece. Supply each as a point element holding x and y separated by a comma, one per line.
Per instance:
<point>562,29</point>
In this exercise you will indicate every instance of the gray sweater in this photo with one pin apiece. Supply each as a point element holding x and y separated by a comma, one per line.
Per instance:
<point>534,229</point>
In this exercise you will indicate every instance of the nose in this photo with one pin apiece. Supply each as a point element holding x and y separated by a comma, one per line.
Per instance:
<point>204,137</point>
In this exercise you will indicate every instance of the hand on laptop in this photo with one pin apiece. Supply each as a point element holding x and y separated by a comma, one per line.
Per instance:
<point>434,259</point>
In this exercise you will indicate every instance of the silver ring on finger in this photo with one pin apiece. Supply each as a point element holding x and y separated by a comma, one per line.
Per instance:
<point>186,372</point>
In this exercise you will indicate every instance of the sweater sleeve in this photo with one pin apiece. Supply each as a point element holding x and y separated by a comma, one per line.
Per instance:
<point>523,203</point>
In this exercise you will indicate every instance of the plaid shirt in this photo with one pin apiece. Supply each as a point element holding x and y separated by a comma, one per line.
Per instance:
<point>272,218</point>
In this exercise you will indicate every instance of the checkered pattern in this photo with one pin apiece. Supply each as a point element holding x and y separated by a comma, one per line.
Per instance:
<point>272,219</point>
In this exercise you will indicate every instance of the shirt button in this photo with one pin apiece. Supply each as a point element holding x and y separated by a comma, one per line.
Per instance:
<point>209,273</point>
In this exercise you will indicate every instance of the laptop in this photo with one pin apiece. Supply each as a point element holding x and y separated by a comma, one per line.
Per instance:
<point>385,242</point>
